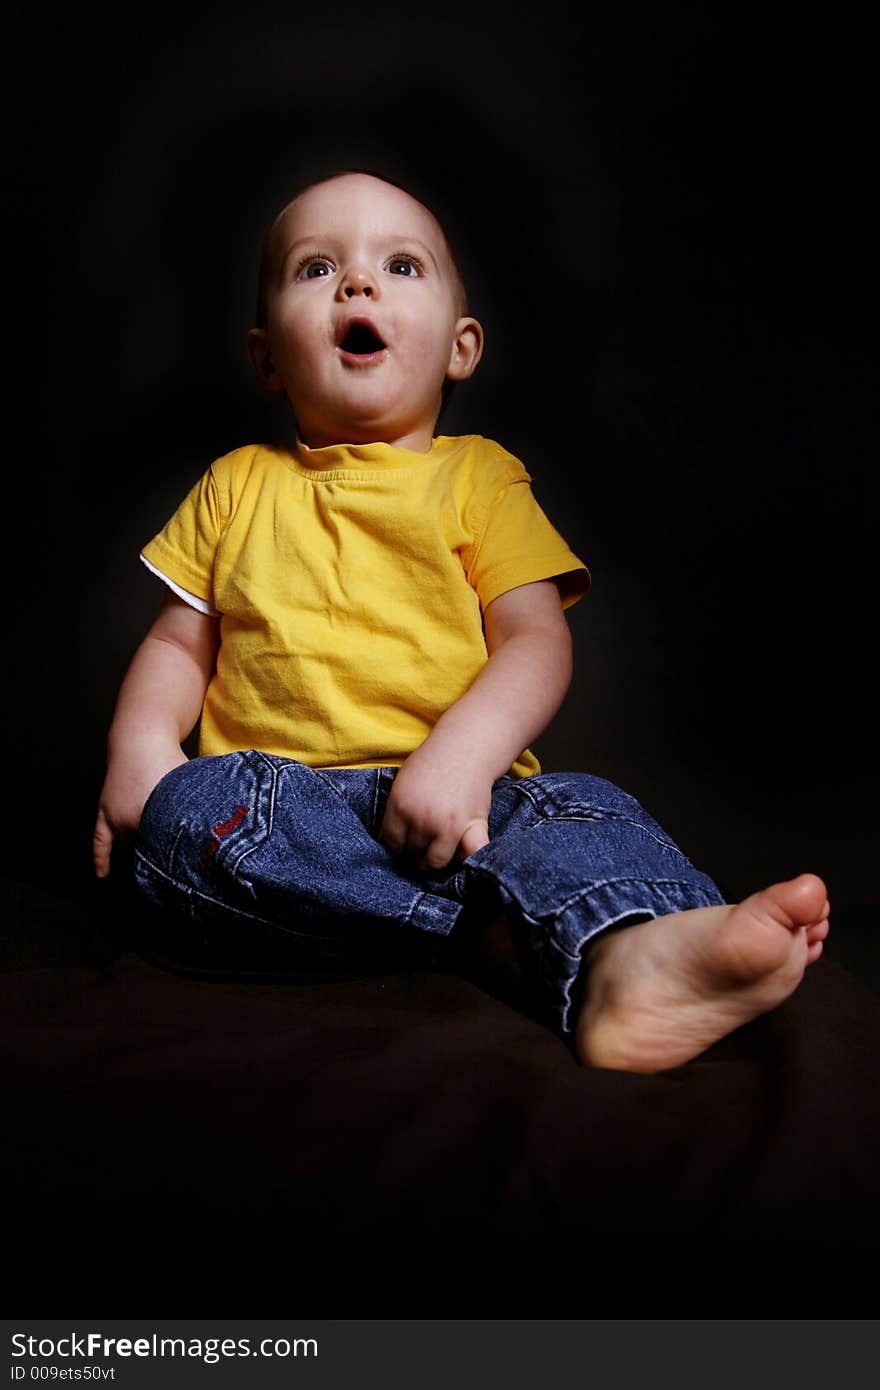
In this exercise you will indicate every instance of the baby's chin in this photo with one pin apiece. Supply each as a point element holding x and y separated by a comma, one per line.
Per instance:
<point>362,427</point>
<point>369,407</point>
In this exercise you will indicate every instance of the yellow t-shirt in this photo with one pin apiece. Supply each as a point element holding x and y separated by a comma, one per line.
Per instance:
<point>350,583</point>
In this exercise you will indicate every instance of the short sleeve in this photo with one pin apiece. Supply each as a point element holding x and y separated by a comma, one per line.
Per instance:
<point>520,545</point>
<point>184,550</point>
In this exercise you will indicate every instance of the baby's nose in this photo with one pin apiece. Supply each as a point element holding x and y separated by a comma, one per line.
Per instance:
<point>359,281</point>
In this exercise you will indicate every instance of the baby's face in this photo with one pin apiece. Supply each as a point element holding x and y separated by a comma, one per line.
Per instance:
<point>364,315</point>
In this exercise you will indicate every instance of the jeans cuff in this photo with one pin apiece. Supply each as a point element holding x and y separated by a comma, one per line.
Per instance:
<point>561,960</point>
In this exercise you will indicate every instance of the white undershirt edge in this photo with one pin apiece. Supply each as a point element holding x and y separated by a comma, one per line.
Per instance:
<point>201,604</point>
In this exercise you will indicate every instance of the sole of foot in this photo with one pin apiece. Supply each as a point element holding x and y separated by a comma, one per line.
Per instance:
<point>659,993</point>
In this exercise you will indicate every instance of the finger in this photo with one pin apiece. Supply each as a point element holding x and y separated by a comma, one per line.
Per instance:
<point>392,832</point>
<point>102,845</point>
<point>389,841</point>
<point>400,838</point>
<point>437,853</point>
<point>473,837</point>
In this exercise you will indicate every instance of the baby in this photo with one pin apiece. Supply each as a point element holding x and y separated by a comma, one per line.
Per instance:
<point>370,626</point>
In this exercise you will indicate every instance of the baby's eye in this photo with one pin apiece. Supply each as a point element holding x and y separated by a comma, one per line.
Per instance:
<point>404,265</point>
<point>313,269</point>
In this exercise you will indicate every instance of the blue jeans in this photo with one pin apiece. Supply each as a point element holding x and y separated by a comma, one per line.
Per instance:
<point>258,844</point>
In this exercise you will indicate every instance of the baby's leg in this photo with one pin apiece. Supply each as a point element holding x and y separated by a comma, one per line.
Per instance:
<point>254,847</point>
<point>578,867</point>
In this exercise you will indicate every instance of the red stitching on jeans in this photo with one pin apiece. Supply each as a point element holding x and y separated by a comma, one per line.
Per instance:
<point>221,830</point>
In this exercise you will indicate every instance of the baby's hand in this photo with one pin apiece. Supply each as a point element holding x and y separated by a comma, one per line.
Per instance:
<point>435,809</point>
<point>129,781</point>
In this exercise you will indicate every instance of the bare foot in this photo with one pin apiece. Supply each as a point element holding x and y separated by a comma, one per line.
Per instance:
<point>658,993</point>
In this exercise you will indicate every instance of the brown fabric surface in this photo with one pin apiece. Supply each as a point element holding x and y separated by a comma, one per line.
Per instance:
<point>410,1144</point>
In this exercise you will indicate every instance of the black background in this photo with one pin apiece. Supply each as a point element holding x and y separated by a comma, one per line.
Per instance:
<point>665,220</point>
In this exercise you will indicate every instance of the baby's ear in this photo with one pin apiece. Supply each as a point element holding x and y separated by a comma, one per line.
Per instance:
<point>261,357</point>
<point>467,349</point>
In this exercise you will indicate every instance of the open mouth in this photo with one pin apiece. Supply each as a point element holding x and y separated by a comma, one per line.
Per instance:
<point>361,340</point>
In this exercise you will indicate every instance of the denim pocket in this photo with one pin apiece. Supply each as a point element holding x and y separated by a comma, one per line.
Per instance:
<point>197,814</point>
<point>227,812</point>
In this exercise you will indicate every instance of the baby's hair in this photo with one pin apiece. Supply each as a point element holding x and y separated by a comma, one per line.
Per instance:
<point>266,254</point>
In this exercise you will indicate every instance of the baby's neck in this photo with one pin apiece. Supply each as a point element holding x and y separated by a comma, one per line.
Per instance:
<point>419,440</point>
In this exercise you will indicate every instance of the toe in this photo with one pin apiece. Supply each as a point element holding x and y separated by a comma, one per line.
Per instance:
<point>818,931</point>
<point>800,901</point>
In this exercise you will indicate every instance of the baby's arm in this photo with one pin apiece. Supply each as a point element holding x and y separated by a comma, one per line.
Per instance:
<point>158,704</point>
<point>441,796</point>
